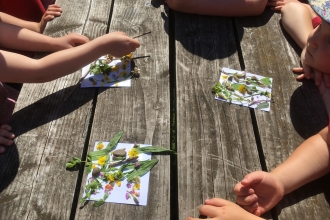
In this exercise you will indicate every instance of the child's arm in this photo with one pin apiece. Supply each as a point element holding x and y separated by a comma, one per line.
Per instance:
<point>259,191</point>
<point>52,11</point>
<point>220,209</point>
<point>18,68</point>
<point>14,37</point>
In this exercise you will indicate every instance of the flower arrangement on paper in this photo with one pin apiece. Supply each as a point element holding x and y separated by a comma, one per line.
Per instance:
<point>118,172</point>
<point>243,88</point>
<point>109,71</point>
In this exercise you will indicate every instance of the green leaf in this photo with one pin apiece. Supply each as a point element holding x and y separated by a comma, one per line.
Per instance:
<point>99,203</point>
<point>236,85</point>
<point>69,165</point>
<point>113,143</point>
<point>154,149</point>
<point>266,81</point>
<point>89,169</point>
<point>144,167</point>
<point>263,105</point>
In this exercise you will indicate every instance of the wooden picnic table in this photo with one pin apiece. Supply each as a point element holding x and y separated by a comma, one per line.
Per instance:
<point>170,105</point>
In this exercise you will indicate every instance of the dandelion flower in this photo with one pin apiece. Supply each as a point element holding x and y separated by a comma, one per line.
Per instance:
<point>133,153</point>
<point>118,183</point>
<point>242,89</point>
<point>100,146</point>
<point>101,160</point>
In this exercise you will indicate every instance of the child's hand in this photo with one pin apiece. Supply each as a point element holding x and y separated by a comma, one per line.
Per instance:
<point>51,12</point>
<point>220,209</point>
<point>276,5</point>
<point>258,192</point>
<point>69,41</point>
<point>118,44</point>
<point>5,137</point>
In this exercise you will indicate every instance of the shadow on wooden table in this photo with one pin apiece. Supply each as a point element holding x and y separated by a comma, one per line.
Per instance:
<point>49,108</point>
<point>9,163</point>
<point>43,111</point>
<point>316,187</point>
<point>307,110</point>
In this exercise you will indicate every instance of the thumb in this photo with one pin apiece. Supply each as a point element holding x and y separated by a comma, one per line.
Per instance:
<point>253,178</point>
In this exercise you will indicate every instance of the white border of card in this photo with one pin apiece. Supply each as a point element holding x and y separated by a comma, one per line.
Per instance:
<point>254,99</point>
<point>118,193</point>
<point>86,83</point>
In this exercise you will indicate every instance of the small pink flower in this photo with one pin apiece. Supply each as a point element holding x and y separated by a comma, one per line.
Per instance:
<point>127,196</point>
<point>137,164</point>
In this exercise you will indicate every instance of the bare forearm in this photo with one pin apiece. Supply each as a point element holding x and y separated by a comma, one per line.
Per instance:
<point>17,68</point>
<point>18,38</point>
<point>308,162</point>
<point>6,18</point>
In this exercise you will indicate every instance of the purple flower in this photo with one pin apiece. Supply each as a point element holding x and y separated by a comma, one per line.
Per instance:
<point>129,185</point>
<point>137,164</point>
<point>127,196</point>
<point>101,175</point>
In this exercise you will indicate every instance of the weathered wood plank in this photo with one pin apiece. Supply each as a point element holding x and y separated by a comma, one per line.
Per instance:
<point>215,140</point>
<point>141,111</point>
<point>297,110</point>
<point>34,182</point>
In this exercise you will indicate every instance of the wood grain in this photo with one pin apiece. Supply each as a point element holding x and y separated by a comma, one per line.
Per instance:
<point>297,110</point>
<point>215,140</point>
<point>34,182</point>
<point>141,111</point>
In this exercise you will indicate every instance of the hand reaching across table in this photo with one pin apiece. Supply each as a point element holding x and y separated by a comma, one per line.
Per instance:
<point>221,209</point>
<point>51,12</point>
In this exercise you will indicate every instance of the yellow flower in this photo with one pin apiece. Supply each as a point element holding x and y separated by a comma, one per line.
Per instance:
<point>111,178</point>
<point>136,186</point>
<point>224,76</point>
<point>100,146</point>
<point>102,160</point>
<point>93,166</point>
<point>129,56</point>
<point>118,183</point>
<point>133,153</point>
<point>242,89</point>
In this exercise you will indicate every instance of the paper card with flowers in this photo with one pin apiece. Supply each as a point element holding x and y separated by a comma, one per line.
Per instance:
<point>118,172</point>
<point>109,71</point>
<point>112,174</point>
<point>243,88</point>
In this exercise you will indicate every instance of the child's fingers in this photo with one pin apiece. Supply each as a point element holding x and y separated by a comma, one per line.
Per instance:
<point>218,202</point>
<point>6,141</point>
<point>241,190</point>
<point>6,127</point>
<point>297,70</point>
<point>208,210</point>
<point>247,200</point>
<point>49,17</point>
<point>318,78</point>
<point>134,44</point>
<point>251,208</point>
<point>2,149</point>
<point>300,77</point>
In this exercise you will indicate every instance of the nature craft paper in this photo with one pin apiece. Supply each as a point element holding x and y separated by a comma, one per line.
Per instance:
<point>123,192</point>
<point>114,79</point>
<point>243,88</point>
